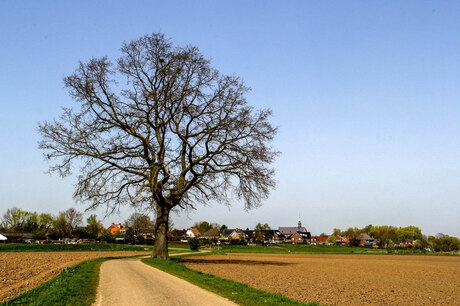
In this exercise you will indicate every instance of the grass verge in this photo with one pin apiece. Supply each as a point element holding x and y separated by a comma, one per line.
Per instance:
<point>76,285</point>
<point>239,293</point>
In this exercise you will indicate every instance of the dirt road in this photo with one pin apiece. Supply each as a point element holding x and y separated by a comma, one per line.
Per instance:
<point>131,282</point>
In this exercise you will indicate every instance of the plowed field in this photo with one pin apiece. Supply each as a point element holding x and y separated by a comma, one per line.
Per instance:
<point>342,279</point>
<point>22,271</point>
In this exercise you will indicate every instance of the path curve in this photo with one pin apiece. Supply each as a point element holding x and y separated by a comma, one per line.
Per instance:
<point>128,281</point>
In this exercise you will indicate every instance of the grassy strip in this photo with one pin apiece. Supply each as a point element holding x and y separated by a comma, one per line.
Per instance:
<point>301,249</point>
<point>72,247</point>
<point>323,249</point>
<point>174,251</point>
<point>239,293</point>
<point>76,285</point>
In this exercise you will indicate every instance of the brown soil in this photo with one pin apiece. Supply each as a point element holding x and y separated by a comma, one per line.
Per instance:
<point>22,271</point>
<point>342,279</point>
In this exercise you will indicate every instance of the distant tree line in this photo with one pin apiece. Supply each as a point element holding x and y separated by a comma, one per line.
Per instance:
<point>389,236</point>
<point>69,224</point>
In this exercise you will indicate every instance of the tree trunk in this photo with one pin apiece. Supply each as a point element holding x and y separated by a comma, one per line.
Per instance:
<point>160,248</point>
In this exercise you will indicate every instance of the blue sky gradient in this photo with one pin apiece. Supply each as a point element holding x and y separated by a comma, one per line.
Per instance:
<point>365,95</point>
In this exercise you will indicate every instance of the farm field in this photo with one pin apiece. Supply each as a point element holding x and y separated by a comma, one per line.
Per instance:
<point>342,279</point>
<point>22,271</point>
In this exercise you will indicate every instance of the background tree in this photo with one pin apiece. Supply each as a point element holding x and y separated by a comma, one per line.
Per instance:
<point>262,232</point>
<point>66,222</point>
<point>161,127</point>
<point>93,227</point>
<point>140,223</point>
<point>45,221</point>
<point>352,233</point>
<point>409,233</point>
<point>336,232</point>
<point>332,239</point>
<point>223,228</point>
<point>45,225</point>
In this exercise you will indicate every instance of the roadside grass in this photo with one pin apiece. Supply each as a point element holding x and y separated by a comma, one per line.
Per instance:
<point>76,285</point>
<point>13,247</point>
<point>175,251</point>
<point>239,293</point>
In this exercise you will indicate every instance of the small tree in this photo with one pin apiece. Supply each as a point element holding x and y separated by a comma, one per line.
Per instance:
<point>159,127</point>
<point>262,232</point>
<point>332,239</point>
<point>194,243</point>
<point>223,228</point>
<point>390,246</point>
<point>94,226</point>
<point>202,226</point>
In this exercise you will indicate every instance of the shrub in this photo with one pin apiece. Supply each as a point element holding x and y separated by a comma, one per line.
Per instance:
<point>194,243</point>
<point>390,246</point>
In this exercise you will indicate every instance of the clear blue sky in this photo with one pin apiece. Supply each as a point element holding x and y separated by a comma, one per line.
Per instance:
<point>365,94</point>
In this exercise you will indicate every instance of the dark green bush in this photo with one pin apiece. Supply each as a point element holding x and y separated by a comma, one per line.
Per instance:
<point>194,243</point>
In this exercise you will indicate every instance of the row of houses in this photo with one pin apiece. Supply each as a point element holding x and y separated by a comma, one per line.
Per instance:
<point>296,234</point>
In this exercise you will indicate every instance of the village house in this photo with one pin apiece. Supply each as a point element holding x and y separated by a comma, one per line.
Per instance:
<point>233,234</point>
<point>115,229</point>
<point>341,240</point>
<point>192,232</point>
<point>319,240</point>
<point>273,236</point>
<point>3,238</point>
<point>178,235</point>
<point>300,237</point>
<point>296,234</point>
<point>211,234</point>
<point>367,241</point>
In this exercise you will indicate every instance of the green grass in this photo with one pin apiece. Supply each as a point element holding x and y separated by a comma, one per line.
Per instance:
<point>323,249</point>
<point>301,249</point>
<point>239,293</point>
<point>76,285</point>
<point>175,251</point>
<point>13,247</point>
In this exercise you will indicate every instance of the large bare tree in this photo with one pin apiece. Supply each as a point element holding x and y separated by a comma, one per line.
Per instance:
<point>160,127</point>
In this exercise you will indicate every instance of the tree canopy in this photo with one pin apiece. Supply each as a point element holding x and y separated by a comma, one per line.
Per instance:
<point>160,127</point>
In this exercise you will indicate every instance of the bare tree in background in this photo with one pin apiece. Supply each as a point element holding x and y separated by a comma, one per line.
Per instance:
<point>160,127</point>
<point>140,223</point>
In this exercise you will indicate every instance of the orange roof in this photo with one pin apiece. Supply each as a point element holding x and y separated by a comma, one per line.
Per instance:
<point>195,231</point>
<point>115,228</point>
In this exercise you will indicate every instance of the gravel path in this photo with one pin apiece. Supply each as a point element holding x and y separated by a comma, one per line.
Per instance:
<point>131,282</point>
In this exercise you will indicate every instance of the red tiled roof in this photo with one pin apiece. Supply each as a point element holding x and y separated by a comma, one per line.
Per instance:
<point>320,238</point>
<point>195,231</point>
